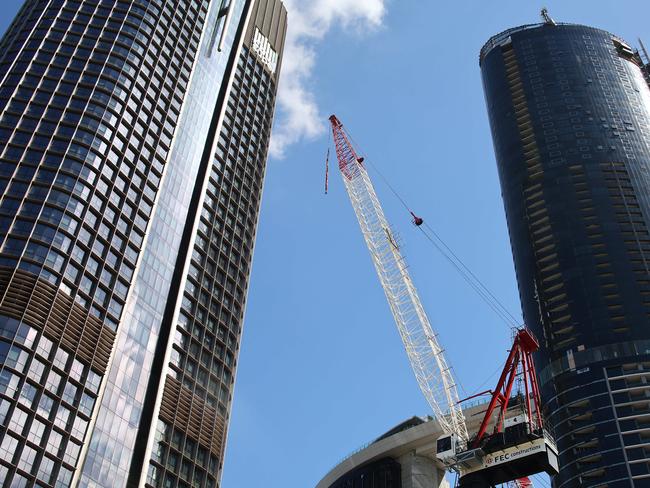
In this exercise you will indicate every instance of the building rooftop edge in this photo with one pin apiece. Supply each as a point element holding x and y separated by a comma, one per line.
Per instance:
<point>402,426</point>
<point>497,39</point>
<point>471,409</point>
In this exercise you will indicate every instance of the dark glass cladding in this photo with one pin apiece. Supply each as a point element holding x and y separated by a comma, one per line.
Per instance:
<point>570,111</point>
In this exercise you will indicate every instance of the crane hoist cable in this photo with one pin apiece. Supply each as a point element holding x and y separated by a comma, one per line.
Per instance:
<point>445,250</point>
<point>327,169</point>
<point>479,288</point>
<point>327,163</point>
<point>448,253</point>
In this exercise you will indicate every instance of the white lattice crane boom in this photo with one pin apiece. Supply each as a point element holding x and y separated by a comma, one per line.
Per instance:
<point>420,341</point>
<point>518,446</point>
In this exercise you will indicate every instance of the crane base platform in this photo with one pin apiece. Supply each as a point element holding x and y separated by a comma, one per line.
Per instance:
<point>502,465</point>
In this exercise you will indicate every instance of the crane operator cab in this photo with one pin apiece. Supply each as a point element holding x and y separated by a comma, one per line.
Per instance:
<point>446,448</point>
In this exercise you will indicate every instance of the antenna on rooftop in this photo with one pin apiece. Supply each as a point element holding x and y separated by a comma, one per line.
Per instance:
<point>546,17</point>
<point>646,58</point>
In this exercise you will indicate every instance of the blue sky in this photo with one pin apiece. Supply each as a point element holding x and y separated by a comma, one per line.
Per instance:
<point>322,369</point>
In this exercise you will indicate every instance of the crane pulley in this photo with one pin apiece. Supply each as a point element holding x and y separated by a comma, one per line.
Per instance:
<point>417,221</point>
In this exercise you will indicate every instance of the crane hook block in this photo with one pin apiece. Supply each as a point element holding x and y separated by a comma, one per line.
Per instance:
<point>417,221</point>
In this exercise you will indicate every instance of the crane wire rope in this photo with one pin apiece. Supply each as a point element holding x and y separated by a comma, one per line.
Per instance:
<point>327,162</point>
<point>502,307</point>
<point>477,286</point>
<point>466,273</point>
<point>500,368</point>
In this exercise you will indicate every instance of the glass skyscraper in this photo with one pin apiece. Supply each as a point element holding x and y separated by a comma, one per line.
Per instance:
<point>569,109</point>
<point>133,144</point>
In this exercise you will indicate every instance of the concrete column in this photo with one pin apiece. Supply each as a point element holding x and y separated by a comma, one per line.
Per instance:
<point>421,472</point>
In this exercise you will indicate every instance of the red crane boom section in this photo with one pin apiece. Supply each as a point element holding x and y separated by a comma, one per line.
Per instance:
<point>519,363</point>
<point>347,156</point>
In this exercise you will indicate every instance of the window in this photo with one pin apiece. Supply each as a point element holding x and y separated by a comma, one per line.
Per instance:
<point>86,404</point>
<point>8,447</point>
<point>18,420</point>
<point>18,481</point>
<point>27,457</point>
<point>93,381</point>
<point>79,428</point>
<point>72,453</point>
<point>44,347</point>
<point>54,443</point>
<point>17,359</point>
<point>76,370</point>
<point>64,478</point>
<point>62,416</point>
<point>45,469</point>
<point>60,359</point>
<point>153,475</point>
<point>45,406</point>
<point>69,393</point>
<point>53,382</point>
<point>9,383</point>
<point>36,432</point>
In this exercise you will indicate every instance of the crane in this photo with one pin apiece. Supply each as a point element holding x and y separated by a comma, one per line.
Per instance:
<point>473,458</point>
<point>420,341</point>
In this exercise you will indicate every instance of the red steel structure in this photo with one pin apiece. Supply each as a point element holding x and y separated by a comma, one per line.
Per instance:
<point>521,483</point>
<point>518,365</point>
<point>345,153</point>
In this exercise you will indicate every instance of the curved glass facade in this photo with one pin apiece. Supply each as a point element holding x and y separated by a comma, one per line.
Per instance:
<point>569,109</point>
<point>108,117</point>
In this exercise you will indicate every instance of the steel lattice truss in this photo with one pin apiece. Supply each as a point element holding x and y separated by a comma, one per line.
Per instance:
<point>424,352</point>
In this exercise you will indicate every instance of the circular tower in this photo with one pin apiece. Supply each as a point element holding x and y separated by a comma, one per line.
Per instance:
<point>569,110</point>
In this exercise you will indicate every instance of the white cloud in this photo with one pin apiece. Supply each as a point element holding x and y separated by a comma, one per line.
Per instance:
<point>298,116</point>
